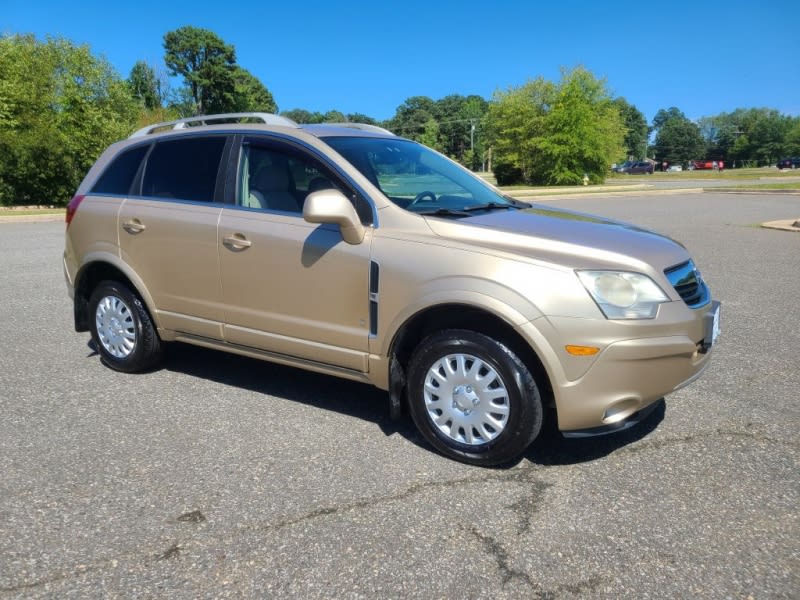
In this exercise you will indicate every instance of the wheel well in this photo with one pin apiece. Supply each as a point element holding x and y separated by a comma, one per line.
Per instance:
<point>87,281</point>
<point>460,316</point>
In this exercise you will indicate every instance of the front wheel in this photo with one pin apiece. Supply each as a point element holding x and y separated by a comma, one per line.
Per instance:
<point>122,330</point>
<point>472,398</point>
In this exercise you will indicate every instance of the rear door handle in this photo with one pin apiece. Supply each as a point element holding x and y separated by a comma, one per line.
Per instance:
<point>134,226</point>
<point>237,241</point>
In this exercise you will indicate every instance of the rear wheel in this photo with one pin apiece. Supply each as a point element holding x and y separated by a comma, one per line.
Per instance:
<point>122,330</point>
<point>472,398</point>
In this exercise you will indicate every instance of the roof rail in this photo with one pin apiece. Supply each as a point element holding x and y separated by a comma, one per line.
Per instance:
<point>267,118</point>
<point>362,126</point>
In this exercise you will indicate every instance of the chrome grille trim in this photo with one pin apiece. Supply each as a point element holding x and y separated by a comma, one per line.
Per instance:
<point>689,284</point>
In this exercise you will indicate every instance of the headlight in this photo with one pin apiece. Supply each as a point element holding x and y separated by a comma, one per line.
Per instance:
<point>623,295</point>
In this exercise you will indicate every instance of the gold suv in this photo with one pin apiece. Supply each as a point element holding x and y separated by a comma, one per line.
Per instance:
<point>346,250</point>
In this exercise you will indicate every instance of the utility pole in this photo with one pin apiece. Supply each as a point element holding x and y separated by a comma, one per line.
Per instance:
<point>472,134</point>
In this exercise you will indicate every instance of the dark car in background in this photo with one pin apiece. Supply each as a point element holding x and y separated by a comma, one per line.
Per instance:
<point>789,163</point>
<point>638,168</point>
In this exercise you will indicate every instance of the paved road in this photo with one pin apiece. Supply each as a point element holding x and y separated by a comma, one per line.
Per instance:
<point>225,477</point>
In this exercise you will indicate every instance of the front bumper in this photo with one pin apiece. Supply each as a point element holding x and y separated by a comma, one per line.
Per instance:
<point>628,375</point>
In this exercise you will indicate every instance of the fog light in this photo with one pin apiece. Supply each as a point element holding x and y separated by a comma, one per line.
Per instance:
<point>620,410</point>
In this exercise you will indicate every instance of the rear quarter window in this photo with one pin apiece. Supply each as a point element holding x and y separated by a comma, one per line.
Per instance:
<point>184,169</point>
<point>119,175</point>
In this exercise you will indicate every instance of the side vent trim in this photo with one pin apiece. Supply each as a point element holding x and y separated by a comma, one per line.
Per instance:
<point>374,286</point>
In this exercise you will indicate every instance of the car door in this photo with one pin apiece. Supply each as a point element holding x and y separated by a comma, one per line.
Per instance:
<point>168,232</point>
<point>291,287</point>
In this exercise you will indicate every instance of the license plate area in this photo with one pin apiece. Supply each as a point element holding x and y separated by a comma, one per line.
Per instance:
<point>711,322</point>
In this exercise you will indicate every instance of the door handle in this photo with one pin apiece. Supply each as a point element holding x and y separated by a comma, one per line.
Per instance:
<point>237,241</point>
<point>134,226</point>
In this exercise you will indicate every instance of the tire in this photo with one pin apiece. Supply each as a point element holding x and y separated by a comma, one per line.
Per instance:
<point>491,409</point>
<point>122,330</point>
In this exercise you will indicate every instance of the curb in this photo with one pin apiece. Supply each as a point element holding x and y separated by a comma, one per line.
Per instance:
<point>784,225</point>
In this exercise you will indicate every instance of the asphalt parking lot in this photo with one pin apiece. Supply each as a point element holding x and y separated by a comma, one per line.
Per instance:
<point>220,476</point>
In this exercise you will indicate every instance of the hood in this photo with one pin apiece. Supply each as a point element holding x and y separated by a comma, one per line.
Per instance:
<point>568,238</point>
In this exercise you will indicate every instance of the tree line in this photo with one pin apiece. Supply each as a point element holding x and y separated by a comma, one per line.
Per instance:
<point>61,106</point>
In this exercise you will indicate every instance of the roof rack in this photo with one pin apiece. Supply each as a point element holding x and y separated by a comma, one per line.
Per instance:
<point>362,126</point>
<point>267,118</point>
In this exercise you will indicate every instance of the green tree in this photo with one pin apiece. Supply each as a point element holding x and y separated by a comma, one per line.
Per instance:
<point>767,132</point>
<point>249,94</point>
<point>793,138</point>
<point>145,85</point>
<point>678,140</point>
<point>431,135</point>
<point>449,124</point>
<point>554,134</point>
<point>181,102</point>
<point>460,124</point>
<point>206,64</point>
<point>584,132</point>
<point>637,131</point>
<point>60,107</point>
<point>515,125</point>
<point>361,118</point>
<point>334,116</point>
<point>412,116</point>
<point>748,135</point>
<point>300,115</point>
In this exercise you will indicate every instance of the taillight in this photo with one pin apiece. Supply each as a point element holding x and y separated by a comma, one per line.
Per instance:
<point>72,207</point>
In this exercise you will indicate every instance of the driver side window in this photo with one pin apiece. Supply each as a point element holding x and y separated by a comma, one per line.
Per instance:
<point>276,180</point>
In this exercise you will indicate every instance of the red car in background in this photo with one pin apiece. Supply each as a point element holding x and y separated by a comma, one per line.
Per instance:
<point>706,164</point>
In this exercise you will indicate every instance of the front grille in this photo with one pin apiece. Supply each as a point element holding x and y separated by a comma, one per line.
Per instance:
<point>689,284</point>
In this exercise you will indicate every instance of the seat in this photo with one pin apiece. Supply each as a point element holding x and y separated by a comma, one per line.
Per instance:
<point>319,183</point>
<point>270,188</point>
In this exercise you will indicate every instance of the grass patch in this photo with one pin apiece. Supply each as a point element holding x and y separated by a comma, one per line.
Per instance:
<point>727,174</point>
<point>571,191</point>
<point>786,185</point>
<point>793,186</point>
<point>27,212</point>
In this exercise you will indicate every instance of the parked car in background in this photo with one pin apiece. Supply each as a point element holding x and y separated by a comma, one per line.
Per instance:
<point>789,163</point>
<point>618,168</point>
<point>675,169</point>
<point>638,168</point>
<point>706,164</point>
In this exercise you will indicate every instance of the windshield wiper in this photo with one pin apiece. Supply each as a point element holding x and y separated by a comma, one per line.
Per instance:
<point>444,212</point>
<point>490,206</point>
<point>517,203</point>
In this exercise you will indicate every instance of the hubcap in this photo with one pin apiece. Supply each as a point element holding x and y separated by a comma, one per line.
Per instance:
<point>115,327</point>
<point>466,399</point>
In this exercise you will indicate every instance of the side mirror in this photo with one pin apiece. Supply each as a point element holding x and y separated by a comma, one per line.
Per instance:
<point>331,206</point>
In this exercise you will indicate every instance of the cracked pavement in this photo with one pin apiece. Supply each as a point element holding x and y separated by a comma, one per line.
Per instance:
<point>221,476</point>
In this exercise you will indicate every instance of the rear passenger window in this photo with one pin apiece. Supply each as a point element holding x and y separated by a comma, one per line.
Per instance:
<point>118,176</point>
<point>184,169</point>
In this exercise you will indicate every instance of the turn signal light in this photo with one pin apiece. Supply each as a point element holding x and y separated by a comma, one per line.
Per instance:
<point>582,350</point>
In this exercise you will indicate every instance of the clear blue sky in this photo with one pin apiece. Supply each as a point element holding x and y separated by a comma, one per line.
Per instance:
<point>368,57</point>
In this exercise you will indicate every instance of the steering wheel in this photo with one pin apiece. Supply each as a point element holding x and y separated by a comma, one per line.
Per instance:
<point>421,196</point>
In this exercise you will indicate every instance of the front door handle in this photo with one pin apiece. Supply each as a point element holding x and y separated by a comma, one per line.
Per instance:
<point>134,226</point>
<point>236,242</point>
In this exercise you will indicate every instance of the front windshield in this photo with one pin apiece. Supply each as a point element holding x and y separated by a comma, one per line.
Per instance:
<point>418,179</point>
